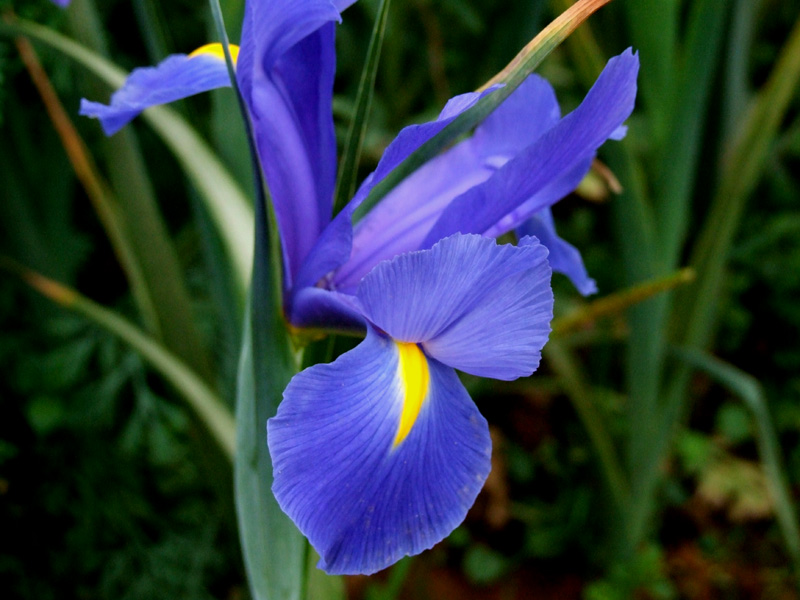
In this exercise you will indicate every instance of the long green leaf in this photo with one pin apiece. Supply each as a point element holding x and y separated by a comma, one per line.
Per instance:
<point>565,366</point>
<point>96,188</point>
<point>203,401</point>
<point>348,166</point>
<point>741,170</point>
<point>273,548</point>
<point>511,77</point>
<point>226,203</point>
<point>142,216</point>
<point>275,553</point>
<point>678,161</point>
<point>653,26</point>
<point>747,388</point>
<point>672,194</point>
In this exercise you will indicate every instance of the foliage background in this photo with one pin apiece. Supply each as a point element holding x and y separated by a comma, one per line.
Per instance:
<point>110,488</point>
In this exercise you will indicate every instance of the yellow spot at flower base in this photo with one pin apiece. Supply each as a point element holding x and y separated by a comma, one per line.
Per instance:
<point>414,377</point>
<point>217,51</point>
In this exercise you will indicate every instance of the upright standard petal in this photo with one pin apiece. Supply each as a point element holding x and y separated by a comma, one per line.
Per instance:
<point>377,455</point>
<point>471,304</point>
<point>285,75</point>
<point>497,159</point>
<point>402,215</point>
<point>176,77</point>
<point>573,140</point>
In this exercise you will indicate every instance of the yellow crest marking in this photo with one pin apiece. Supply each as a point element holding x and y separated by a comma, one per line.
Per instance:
<point>217,51</point>
<point>414,377</point>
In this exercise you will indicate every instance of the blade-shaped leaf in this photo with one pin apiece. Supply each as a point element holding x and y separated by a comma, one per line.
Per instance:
<point>274,550</point>
<point>275,553</point>
<point>227,204</point>
<point>751,393</point>
<point>510,77</point>
<point>348,167</point>
<point>203,401</point>
<point>742,167</point>
<point>97,190</point>
<point>138,205</point>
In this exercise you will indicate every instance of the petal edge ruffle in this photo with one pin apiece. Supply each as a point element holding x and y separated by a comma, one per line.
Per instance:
<point>474,305</point>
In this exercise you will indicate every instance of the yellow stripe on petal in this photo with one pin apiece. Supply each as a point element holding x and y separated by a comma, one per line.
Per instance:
<point>217,51</point>
<point>414,377</point>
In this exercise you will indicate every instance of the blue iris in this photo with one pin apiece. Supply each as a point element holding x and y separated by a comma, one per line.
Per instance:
<point>381,453</point>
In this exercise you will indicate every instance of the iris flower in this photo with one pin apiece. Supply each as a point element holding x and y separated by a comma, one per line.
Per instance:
<point>380,453</point>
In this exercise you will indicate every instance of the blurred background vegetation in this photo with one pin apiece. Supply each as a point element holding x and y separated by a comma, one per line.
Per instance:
<point>656,453</point>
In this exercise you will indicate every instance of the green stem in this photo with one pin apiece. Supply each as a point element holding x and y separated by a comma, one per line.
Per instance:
<point>348,168</point>
<point>566,368</point>
<point>751,393</point>
<point>619,301</point>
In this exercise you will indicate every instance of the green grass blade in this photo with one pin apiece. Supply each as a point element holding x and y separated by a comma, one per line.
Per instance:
<point>679,158</point>
<point>652,418</point>
<point>566,369</point>
<point>619,301</point>
<point>653,26</point>
<point>145,224</point>
<point>227,204</point>
<point>511,77</point>
<point>348,167</point>
<point>274,550</point>
<point>275,553</point>
<point>741,170</point>
<point>97,190</point>
<point>751,393</point>
<point>203,401</point>
<point>737,93</point>
<point>151,27</point>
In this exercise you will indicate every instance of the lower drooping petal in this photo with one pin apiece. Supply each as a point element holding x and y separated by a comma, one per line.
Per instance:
<point>176,77</point>
<point>364,476</point>
<point>474,305</point>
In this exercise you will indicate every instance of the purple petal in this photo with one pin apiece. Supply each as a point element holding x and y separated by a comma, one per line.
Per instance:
<point>400,222</point>
<point>176,77</point>
<point>318,308</point>
<point>62,3</point>
<point>564,257</point>
<point>547,196</point>
<point>271,27</point>
<point>363,499</point>
<point>519,121</point>
<point>413,136</point>
<point>473,305</point>
<point>285,73</point>
<point>572,141</point>
<point>311,306</point>
<point>402,219</point>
